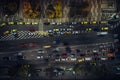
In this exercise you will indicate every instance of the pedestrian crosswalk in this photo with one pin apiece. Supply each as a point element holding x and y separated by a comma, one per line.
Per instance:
<point>21,35</point>
<point>29,35</point>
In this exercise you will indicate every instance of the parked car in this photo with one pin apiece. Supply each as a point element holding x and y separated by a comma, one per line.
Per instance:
<point>40,57</point>
<point>73,57</point>
<point>80,59</point>
<point>88,58</point>
<point>64,57</point>
<point>103,58</point>
<point>57,57</point>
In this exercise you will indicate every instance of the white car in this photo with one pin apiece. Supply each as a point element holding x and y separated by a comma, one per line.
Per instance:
<point>57,59</point>
<point>39,57</point>
<point>41,51</point>
<point>102,33</point>
<point>64,59</point>
<point>95,51</point>
<point>103,58</point>
<point>73,59</point>
<point>88,58</point>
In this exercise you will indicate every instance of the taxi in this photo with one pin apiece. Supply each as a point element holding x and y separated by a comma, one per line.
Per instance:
<point>104,28</point>
<point>19,23</point>
<point>11,23</point>
<point>88,29</point>
<point>14,30</point>
<point>84,22</point>
<point>81,60</point>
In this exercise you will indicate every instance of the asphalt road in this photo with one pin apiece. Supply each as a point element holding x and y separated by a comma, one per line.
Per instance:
<point>85,38</point>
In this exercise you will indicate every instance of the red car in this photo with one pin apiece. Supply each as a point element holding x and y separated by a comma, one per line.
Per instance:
<point>24,45</point>
<point>32,30</point>
<point>33,44</point>
<point>64,55</point>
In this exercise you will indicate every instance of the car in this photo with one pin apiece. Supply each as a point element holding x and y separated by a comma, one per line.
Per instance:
<point>47,46</point>
<point>24,45</point>
<point>31,33</point>
<point>84,22</point>
<point>20,57</point>
<point>31,30</point>
<point>11,23</point>
<point>14,33</point>
<point>19,23</point>
<point>103,22</point>
<point>6,58</point>
<point>94,22</point>
<point>13,30</point>
<point>49,31</point>
<point>6,32</point>
<point>20,53</point>
<point>69,29</point>
<point>78,50</point>
<point>95,50</point>
<point>68,49</point>
<point>75,32</point>
<point>3,24</point>
<point>41,51</point>
<point>34,23</point>
<point>102,33</point>
<point>33,44</point>
<point>52,23</point>
<point>44,33</point>
<point>28,23</point>
<point>88,58</point>
<point>88,29</point>
<point>61,33</point>
<point>64,57</point>
<point>110,56</point>
<point>55,30</point>
<point>57,57</point>
<point>103,58</point>
<point>104,28</point>
<point>66,32</point>
<point>46,23</point>
<point>40,57</point>
<point>55,50</point>
<point>73,57</point>
<point>80,59</point>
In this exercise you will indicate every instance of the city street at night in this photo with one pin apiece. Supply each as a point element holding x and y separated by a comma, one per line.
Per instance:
<point>59,40</point>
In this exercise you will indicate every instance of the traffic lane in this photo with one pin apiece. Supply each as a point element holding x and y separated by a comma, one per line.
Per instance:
<point>20,27</point>
<point>71,39</point>
<point>85,36</point>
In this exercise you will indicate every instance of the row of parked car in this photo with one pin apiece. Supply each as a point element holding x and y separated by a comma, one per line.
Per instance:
<point>68,57</point>
<point>13,57</point>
